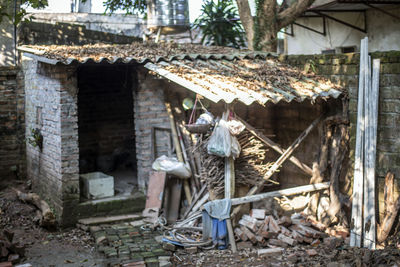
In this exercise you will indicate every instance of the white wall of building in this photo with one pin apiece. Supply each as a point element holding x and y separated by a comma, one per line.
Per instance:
<point>7,51</point>
<point>383,32</point>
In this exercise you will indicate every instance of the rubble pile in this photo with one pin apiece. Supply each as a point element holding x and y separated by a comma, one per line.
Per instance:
<point>10,251</point>
<point>264,230</point>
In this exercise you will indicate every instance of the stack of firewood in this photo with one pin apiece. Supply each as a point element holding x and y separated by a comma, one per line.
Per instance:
<point>250,167</point>
<point>264,230</point>
<point>9,250</point>
<point>252,163</point>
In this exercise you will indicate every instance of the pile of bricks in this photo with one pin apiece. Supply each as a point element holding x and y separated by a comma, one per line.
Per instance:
<point>264,230</point>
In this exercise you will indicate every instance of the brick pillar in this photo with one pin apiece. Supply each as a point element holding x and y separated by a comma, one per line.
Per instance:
<point>149,112</point>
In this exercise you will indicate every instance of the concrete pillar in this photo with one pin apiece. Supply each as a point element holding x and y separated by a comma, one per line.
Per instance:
<point>85,7</point>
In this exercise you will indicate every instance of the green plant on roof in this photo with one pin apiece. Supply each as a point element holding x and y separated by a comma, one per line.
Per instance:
<point>220,24</point>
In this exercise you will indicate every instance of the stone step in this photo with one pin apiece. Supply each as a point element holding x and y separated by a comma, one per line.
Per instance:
<point>111,206</point>
<point>110,219</point>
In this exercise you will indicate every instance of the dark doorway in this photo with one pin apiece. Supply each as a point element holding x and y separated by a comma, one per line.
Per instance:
<point>106,124</point>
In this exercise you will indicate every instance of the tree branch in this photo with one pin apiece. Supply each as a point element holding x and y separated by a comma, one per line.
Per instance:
<point>288,15</point>
<point>247,21</point>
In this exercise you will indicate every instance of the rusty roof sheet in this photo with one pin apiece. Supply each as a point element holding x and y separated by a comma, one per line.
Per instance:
<point>217,73</point>
<point>246,80</point>
<point>136,52</point>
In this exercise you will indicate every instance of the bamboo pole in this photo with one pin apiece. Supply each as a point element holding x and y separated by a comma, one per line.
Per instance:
<point>178,149</point>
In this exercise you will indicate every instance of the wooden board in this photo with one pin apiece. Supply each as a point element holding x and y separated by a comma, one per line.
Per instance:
<point>356,212</point>
<point>172,199</point>
<point>371,136</point>
<point>155,189</point>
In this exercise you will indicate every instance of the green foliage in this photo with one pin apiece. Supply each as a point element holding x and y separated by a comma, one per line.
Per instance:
<point>130,6</point>
<point>7,8</point>
<point>220,25</point>
<point>36,138</point>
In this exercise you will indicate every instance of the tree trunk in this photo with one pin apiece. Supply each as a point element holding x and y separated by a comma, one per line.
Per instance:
<point>262,31</point>
<point>47,218</point>
<point>247,21</point>
<point>266,32</point>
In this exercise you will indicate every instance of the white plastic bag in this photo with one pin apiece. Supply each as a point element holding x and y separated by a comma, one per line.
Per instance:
<point>235,127</point>
<point>172,166</point>
<point>221,142</point>
<point>235,148</point>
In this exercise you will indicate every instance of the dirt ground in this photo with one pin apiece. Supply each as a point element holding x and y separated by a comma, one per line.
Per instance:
<point>63,247</point>
<point>75,247</point>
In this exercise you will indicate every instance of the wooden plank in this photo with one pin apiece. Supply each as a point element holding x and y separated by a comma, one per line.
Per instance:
<point>283,192</point>
<point>172,199</point>
<point>275,146</point>
<point>155,190</point>
<point>356,216</point>
<point>371,137</point>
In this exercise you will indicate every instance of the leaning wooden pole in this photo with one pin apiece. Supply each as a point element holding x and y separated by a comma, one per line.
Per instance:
<point>178,149</point>
<point>283,192</point>
<point>275,146</point>
<point>285,155</point>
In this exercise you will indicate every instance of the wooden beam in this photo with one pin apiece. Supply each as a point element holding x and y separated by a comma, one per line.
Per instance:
<point>283,192</point>
<point>356,212</point>
<point>275,146</point>
<point>291,149</point>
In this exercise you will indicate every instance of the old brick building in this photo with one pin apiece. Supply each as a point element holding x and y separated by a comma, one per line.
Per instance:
<point>100,108</point>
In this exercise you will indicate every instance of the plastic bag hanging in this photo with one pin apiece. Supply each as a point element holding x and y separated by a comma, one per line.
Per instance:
<point>221,142</point>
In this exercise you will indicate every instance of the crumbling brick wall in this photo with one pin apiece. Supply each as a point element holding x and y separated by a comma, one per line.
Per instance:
<point>12,129</point>
<point>51,107</point>
<point>67,34</point>
<point>344,70</point>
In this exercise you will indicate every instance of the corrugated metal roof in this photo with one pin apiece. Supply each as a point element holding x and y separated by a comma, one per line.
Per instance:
<point>216,73</point>
<point>248,81</point>
<point>349,5</point>
<point>136,52</point>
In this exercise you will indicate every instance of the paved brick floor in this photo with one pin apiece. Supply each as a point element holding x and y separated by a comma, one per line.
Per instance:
<point>123,243</point>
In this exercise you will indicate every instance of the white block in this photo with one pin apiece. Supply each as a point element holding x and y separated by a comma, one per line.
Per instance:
<point>97,185</point>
